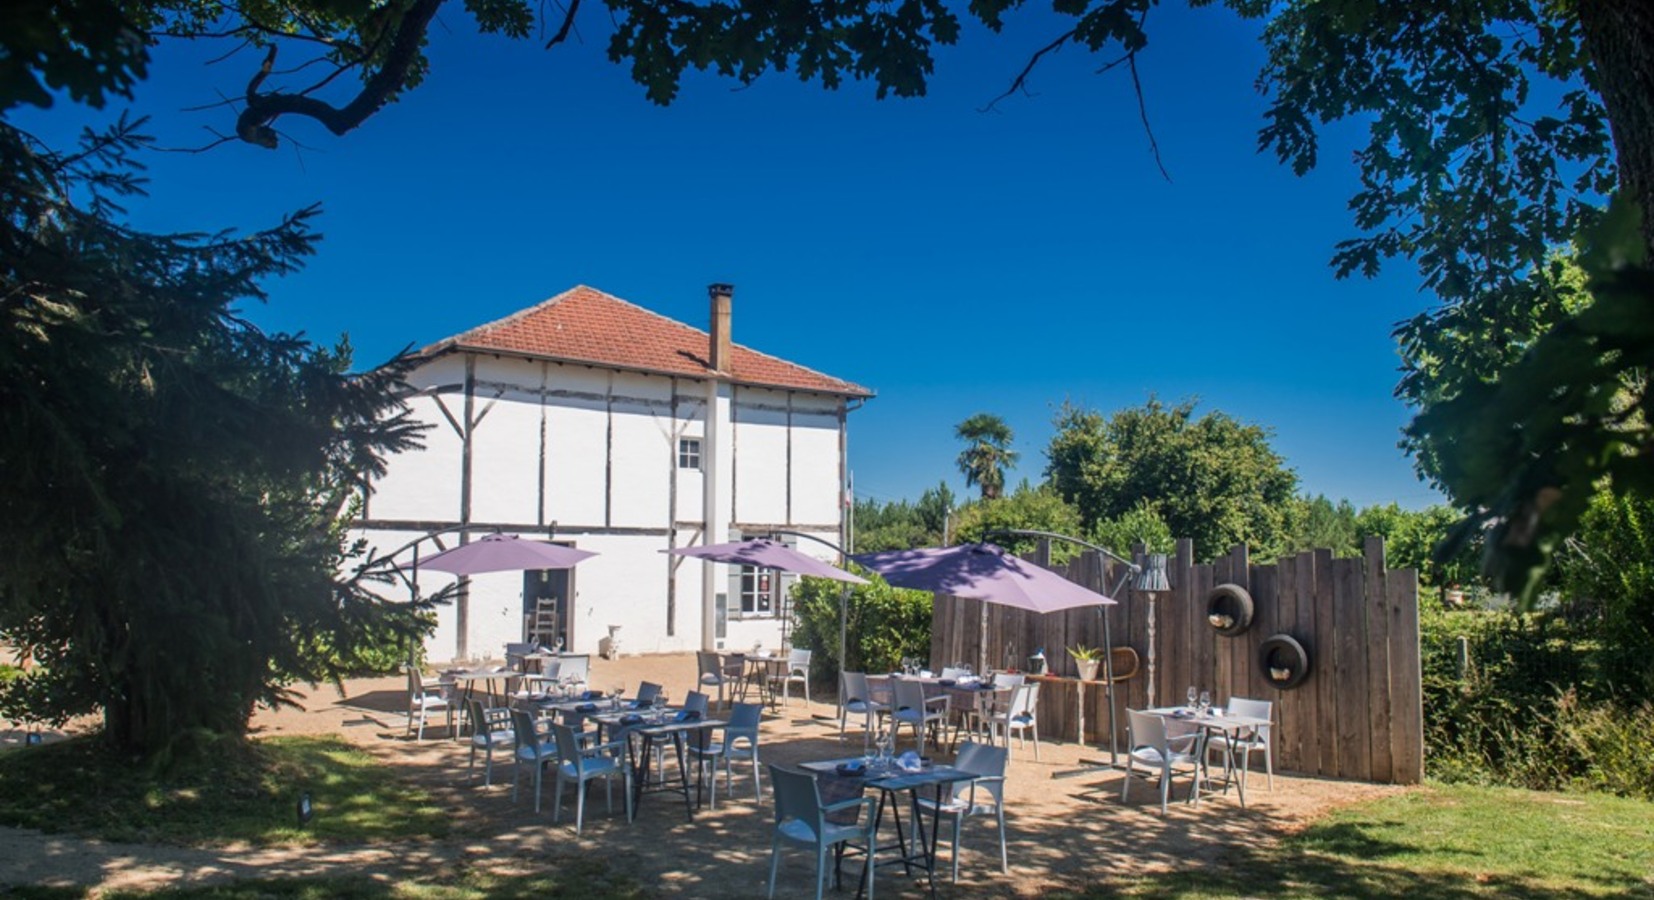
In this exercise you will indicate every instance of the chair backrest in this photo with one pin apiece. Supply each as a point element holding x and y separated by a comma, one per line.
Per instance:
<point>416,688</point>
<point>478,714</point>
<point>522,726</point>
<point>734,664</point>
<point>551,668</point>
<point>1024,700</point>
<point>953,673</point>
<point>1257,709</point>
<point>796,797</point>
<point>707,662</point>
<point>982,761</point>
<point>574,667</point>
<point>744,719</point>
<point>695,701</point>
<point>798,661</point>
<point>568,747</point>
<point>514,653</point>
<point>909,694</point>
<point>855,687</point>
<point>1147,730</point>
<point>647,691</point>
<point>1009,679</point>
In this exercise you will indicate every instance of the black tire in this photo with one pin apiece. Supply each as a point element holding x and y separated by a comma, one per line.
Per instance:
<point>1283,652</point>
<point>1233,601</point>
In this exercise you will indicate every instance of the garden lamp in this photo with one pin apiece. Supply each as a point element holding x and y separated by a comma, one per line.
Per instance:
<point>1151,582</point>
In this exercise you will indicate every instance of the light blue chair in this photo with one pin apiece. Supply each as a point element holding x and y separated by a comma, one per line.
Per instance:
<point>580,762</point>
<point>490,728</point>
<point>740,740</point>
<point>534,748</point>
<point>800,818</point>
<point>983,795</point>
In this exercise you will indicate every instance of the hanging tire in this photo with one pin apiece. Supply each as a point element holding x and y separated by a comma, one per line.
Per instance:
<point>1229,609</point>
<point>1283,661</point>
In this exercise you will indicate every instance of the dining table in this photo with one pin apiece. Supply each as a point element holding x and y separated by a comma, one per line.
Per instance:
<point>840,779</point>
<point>971,701</point>
<point>645,730</point>
<point>1210,722</point>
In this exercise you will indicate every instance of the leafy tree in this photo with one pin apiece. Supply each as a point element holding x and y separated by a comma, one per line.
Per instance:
<point>1138,525</point>
<point>1608,584</point>
<point>1319,523</point>
<point>1212,479</point>
<point>1027,508</point>
<point>170,523</point>
<point>988,453</point>
<point>935,511</point>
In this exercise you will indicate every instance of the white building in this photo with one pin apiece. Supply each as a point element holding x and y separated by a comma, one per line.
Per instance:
<point>585,420</point>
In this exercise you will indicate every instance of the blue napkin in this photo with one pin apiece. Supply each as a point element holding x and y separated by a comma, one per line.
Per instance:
<point>947,682</point>
<point>586,708</point>
<point>631,719</point>
<point>852,768</point>
<point>688,715</point>
<point>592,695</point>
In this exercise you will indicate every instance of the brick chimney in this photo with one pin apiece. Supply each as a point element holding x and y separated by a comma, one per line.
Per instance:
<point>719,353</point>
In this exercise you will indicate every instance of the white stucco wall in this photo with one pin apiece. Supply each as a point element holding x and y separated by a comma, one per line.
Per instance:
<point>605,444</point>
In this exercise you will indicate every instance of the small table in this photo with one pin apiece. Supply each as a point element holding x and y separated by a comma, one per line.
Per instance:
<point>889,784</point>
<point>1216,721</point>
<point>759,667</point>
<point>642,757</point>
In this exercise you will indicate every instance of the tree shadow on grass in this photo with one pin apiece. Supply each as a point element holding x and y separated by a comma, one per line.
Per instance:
<point>1344,859</point>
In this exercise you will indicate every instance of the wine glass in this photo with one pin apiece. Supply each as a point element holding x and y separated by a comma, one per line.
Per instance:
<point>664,699</point>
<point>1192,694</point>
<point>1205,701</point>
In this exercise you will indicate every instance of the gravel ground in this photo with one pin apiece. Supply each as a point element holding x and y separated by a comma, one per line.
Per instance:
<point>1062,831</point>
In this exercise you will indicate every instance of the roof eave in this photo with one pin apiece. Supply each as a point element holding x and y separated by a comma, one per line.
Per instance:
<point>451,345</point>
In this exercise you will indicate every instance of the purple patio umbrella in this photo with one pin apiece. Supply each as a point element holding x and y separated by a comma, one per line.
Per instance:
<point>503,553</point>
<point>981,572</point>
<point>767,554</point>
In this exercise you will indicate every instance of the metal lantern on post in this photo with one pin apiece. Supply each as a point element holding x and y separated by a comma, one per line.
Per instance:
<point>1151,582</point>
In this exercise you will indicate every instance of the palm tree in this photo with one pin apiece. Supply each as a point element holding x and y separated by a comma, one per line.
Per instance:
<point>985,460</point>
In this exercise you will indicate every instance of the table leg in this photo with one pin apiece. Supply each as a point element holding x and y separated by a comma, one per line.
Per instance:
<point>683,773</point>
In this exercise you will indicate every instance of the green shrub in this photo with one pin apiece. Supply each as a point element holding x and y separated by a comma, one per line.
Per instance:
<point>886,624</point>
<point>1616,746</point>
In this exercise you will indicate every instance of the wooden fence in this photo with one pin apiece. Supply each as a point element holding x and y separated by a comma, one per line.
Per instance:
<point>1358,715</point>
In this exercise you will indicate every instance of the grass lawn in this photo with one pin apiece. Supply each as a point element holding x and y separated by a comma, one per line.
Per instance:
<point>232,792</point>
<point>1446,841</point>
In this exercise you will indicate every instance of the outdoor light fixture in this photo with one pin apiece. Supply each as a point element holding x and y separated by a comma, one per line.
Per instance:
<point>1151,581</point>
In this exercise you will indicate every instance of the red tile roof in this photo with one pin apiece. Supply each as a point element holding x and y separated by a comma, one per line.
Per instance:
<point>585,325</point>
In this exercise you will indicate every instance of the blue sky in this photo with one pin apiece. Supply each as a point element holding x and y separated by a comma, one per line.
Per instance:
<point>956,261</point>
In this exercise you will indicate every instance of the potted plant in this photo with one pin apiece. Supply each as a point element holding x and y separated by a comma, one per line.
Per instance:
<point>1087,659</point>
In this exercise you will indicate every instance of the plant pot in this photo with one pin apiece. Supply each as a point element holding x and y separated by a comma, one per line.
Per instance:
<point>1088,668</point>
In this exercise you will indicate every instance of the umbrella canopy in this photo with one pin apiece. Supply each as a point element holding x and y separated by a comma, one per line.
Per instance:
<point>768,554</point>
<point>981,572</point>
<point>503,553</point>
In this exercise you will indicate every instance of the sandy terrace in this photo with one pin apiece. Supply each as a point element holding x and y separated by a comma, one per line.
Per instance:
<point>1062,832</point>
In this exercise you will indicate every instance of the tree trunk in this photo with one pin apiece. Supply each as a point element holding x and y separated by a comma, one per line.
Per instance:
<point>1620,37</point>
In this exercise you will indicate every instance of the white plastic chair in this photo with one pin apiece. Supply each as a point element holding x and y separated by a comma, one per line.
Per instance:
<point>1248,742</point>
<point>740,739</point>
<point>981,796</point>
<point>424,697</point>
<point>490,728</point>
<point>798,672</point>
<point>800,818</point>
<point>1020,715</point>
<point>855,697</point>
<point>1149,747</point>
<point>712,672</point>
<point>581,762</point>
<point>914,709</point>
<point>1009,679</point>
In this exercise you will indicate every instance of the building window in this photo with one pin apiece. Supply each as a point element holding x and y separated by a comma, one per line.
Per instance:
<point>757,591</point>
<point>689,453</point>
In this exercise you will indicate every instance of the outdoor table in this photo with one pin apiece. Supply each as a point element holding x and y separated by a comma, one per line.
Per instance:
<point>642,757</point>
<point>466,681</point>
<point>1213,721</point>
<point>759,667</point>
<point>889,783</point>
